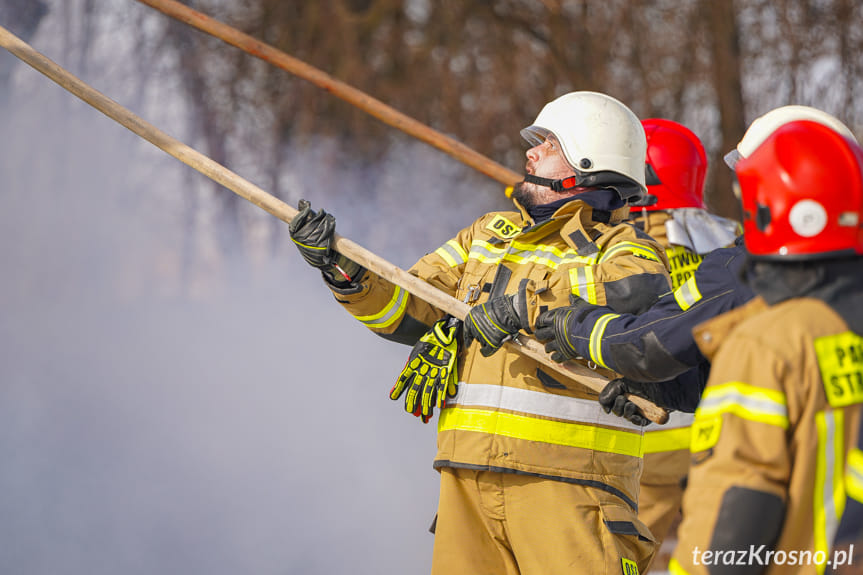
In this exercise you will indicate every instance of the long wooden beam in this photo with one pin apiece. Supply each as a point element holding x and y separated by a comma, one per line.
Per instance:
<point>528,346</point>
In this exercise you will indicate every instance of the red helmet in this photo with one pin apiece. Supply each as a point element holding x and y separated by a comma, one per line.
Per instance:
<point>802,194</point>
<point>676,165</point>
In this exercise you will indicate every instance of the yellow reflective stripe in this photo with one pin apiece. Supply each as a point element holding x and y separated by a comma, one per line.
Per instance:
<point>596,334</point>
<point>452,253</point>
<point>854,474</point>
<point>537,404</point>
<point>583,283</point>
<point>829,496</point>
<point>687,295</point>
<point>667,440</point>
<point>675,568</point>
<point>387,316</point>
<point>521,253</point>
<point>746,401</point>
<point>551,253</point>
<point>636,249</point>
<point>542,430</point>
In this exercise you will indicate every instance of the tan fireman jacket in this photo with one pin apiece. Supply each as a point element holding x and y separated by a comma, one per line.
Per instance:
<point>779,416</point>
<point>509,415</point>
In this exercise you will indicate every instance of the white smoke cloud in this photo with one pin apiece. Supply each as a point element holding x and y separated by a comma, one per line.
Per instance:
<point>243,427</point>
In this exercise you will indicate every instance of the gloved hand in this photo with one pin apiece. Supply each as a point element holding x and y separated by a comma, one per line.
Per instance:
<point>679,394</point>
<point>429,376</point>
<point>496,321</point>
<point>558,327</point>
<point>613,400</point>
<point>313,234</point>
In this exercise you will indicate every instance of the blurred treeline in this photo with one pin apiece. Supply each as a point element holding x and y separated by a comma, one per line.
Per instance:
<point>481,70</point>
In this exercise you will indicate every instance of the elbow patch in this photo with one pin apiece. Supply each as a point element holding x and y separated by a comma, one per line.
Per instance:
<point>652,363</point>
<point>748,517</point>
<point>408,332</point>
<point>635,293</point>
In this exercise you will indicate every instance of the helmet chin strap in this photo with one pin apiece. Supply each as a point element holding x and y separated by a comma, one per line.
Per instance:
<point>556,185</point>
<point>626,188</point>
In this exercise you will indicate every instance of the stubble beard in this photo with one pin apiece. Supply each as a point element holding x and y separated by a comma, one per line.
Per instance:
<point>530,195</point>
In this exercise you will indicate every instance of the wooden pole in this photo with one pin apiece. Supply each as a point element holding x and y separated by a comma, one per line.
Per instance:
<point>194,159</point>
<point>361,100</point>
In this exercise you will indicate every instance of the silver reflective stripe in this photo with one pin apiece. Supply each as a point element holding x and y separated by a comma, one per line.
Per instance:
<point>457,256</point>
<point>386,316</point>
<point>545,255</point>
<point>831,514</point>
<point>580,284</point>
<point>569,409</point>
<point>762,406</point>
<point>687,295</point>
<point>676,420</point>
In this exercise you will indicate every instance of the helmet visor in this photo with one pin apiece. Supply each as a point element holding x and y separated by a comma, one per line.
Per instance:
<point>534,135</point>
<point>732,157</point>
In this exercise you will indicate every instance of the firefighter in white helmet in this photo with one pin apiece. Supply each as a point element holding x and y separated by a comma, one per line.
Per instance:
<point>776,437</point>
<point>535,477</point>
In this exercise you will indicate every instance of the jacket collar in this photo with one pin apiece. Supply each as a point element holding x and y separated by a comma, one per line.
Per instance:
<point>585,212</point>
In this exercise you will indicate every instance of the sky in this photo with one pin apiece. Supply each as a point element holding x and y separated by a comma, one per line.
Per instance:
<point>242,426</point>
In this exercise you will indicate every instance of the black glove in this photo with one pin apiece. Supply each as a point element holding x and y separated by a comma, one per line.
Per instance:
<point>313,234</point>
<point>558,327</point>
<point>679,394</point>
<point>613,400</point>
<point>496,321</point>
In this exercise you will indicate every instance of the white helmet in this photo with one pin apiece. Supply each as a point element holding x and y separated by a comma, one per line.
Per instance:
<point>765,125</point>
<point>602,140</point>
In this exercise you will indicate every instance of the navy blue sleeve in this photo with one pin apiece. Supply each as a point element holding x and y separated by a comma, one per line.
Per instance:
<point>658,345</point>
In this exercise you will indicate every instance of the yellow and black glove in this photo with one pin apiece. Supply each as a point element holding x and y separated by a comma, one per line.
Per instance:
<point>429,376</point>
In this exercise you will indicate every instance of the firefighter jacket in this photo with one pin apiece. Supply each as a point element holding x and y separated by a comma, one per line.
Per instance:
<point>682,260</point>
<point>509,415</point>
<point>775,434</point>
<point>666,447</point>
<point>657,345</point>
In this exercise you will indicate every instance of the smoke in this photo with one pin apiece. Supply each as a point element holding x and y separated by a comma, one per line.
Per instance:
<point>241,426</point>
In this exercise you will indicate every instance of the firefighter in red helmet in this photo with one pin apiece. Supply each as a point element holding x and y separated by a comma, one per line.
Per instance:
<point>675,215</point>
<point>777,428</point>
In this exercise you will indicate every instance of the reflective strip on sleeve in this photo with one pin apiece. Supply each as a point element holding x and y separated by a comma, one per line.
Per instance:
<point>829,496</point>
<point>596,337</point>
<point>854,474</point>
<point>387,316</point>
<point>637,250</point>
<point>477,407</point>
<point>452,253</point>
<point>674,435</point>
<point>746,401</point>
<point>687,295</point>
<point>583,284</point>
